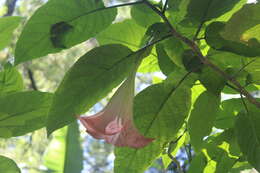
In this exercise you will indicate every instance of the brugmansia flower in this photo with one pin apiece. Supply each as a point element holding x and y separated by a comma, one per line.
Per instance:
<point>114,123</point>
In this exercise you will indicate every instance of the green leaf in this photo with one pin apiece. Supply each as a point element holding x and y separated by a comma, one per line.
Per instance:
<point>127,33</point>
<point>248,136</point>
<point>10,80</point>
<point>244,26</point>
<point>143,15</point>
<point>137,160</point>
<point>64,153</point>
<point>201,120</point>
<point>214,37</point>
<point>204,10</point>
<point>198,163</point>
<point>174,48</point>
<point>160,110</point>
<point>227,112</point>
<point>8,166</point>
<point>7,27</point>
<point>212,80</point>
<point>91,78</point>
<point>191,62</point>
<point>67,24</point>
<point>164,61</point>
<point>23,112</point>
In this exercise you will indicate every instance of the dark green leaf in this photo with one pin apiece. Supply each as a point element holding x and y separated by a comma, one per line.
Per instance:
<point>23,112</point>
<point>204,10</point>
<point>143,15</point>
<point>8,166</point>
<point>198,164</point>
<point>191,62</point>
<point>7,27</point>
<point>165,63</point>
<point>91,78</point>
<point>238,35</point>
<point>212,80</point>
<point>61,24</point>
<point>174,48</point>
<point>68,157</point>
<point>202,118</point>
<point>248,136</point>
<point>10,80</point>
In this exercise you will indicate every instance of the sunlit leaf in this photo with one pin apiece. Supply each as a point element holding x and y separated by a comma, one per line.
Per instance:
<point>7,27</point>
<point>61,24</point>
<point>8,166</point>
<point>64,153</point>
<point>23,112</point>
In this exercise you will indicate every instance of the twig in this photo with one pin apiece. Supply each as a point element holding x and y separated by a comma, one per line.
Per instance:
<point>165,6</point>
<point>203,59</point>
<point>10,7</point>
<point>31,77</point>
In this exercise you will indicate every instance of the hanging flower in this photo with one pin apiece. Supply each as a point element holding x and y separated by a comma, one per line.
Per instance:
<point>114,123</point>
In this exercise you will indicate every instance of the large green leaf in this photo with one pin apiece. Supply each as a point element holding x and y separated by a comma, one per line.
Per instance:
<point>137,160</point>
<point>7,27</point>
<point>127,33</point>
<point>10,80</point>
<point>64,153</point>
<point>248,136</point>
<point>244,26</point>
<point>160,110</point>
<point>239,34</point>
<point>23,112</point>
<point>201,119</point>
<point>8,166</point>
<point>143,15</point>
<point>198,163</point>
<point>92,77</point>
<point>165,63</point>
<point>204,10</point>
<point>61,24</point>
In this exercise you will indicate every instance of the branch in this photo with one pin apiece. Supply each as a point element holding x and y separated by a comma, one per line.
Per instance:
<point>203,59</point>
<point>31,77</point>
<point>165,6</point>
<point>10,7</point>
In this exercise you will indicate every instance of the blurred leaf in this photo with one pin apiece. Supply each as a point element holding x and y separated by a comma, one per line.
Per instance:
<point>164,61</point>
<point>143,15</point>
<point>191,62</point>
<point>23,112</point>
<point>10,80</point>
<point>8,166</point>
<point>91,78</point>
<point>248,136</point>
<point>7,27</point>
<point>61,24</point>
<point>240,34</point>
<point>64,153</point>
<point>201,120</point>
<point>198,164</point>
<point>204,10</point>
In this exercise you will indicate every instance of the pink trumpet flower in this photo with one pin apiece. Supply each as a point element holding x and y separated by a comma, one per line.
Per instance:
<point>114,123</point>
